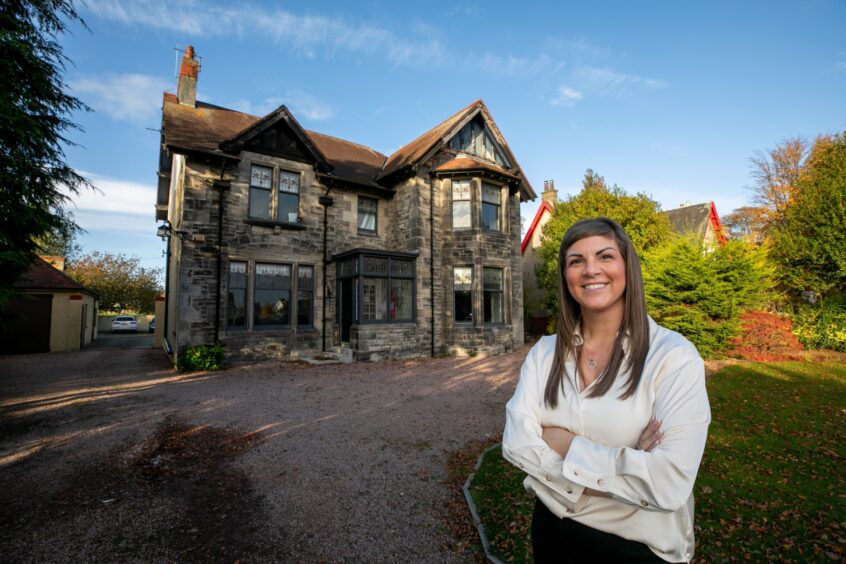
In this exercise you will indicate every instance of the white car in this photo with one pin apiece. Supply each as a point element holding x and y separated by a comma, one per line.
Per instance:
<point>124,323</point>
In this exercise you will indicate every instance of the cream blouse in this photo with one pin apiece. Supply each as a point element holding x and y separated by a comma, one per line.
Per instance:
<point>651,492</point>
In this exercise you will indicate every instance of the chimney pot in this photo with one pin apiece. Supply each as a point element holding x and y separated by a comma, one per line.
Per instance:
<point>186,88</point>
<point>549,195</point>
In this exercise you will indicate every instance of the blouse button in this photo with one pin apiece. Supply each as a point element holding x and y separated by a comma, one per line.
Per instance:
<point>575,472</point>
<point>569,490</point>
<point>643,503</point>
<point>600,481</point>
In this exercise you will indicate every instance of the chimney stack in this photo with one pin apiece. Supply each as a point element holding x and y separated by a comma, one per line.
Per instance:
<point>186,88</point>
<point>549,194</point>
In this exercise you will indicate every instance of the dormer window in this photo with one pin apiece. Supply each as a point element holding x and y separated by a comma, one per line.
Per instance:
<point>475,139</point>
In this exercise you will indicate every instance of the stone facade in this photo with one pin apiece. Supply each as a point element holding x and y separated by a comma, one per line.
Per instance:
<point>207,204</point>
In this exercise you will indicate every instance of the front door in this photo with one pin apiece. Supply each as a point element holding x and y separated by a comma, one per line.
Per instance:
<point>347,307</point>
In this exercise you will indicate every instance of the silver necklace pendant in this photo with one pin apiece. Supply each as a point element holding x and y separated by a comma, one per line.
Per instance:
<point>591,363</point>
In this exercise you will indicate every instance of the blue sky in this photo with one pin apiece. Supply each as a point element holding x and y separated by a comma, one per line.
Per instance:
<point>666,98</point>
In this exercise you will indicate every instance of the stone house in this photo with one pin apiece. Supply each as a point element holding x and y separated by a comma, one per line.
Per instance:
<point>287,243</point>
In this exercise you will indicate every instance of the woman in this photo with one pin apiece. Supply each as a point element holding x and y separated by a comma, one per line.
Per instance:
<point>610,416</point>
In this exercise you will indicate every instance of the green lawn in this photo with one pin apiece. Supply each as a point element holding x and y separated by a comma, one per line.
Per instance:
<point>772,485</point>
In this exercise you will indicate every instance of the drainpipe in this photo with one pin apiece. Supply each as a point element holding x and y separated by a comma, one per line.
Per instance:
<point>221,186</point>
<point>325,201</point>
<point>168,348</point>
<point>432,253</point>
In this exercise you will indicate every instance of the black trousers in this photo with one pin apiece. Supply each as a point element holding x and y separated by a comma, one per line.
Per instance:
<point>561,541</point>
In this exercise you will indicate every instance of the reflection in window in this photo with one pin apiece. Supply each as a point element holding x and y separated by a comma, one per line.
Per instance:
<point>261,183</point>
<point>272,299</point>
<point>490,207</point>
<point>461,215</point>
<point>401,296</point>
<point>462,287</point>
<point>492,278</point>
<point>305,296</point>
<point>236,299</point>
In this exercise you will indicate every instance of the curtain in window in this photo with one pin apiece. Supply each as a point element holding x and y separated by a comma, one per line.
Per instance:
<point>367,214</point>
<point>375,295</point>
<point>289,196</point>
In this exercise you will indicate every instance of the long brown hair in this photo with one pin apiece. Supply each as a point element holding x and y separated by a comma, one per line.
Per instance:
<point>634,325</point>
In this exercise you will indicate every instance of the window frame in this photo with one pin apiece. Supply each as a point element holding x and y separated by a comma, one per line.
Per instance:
<point>375,212</point>
<point>455,291</point>
<point>497,206</point>
<point>294,292</point>
<point>360,275</point>
<point>276,192</point>
<point>500,291</point>
<point>470,183</point>
<point>298,290</point>
<point>290,289</point>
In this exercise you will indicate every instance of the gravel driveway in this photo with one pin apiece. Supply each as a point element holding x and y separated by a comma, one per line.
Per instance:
<point>111,455</point>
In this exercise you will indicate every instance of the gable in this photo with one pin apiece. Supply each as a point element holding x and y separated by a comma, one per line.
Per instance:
<point>475,138</point>
<point>279,141</point>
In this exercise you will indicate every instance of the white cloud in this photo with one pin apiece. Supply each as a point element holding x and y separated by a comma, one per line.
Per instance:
<point>608,82</point>
<point>115,196</point>
<point>131,97</point>
<point>301,104</point>
<point>565,96</point>
<point>308,34</point>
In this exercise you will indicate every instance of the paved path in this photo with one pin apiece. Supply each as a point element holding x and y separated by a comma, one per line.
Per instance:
<point>350,468</point>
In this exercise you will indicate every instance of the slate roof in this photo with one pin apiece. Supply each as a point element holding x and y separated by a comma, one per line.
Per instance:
<point>690,219</point>
<point>206,128</point>
<point>466,163</point>
<point>41,276</point>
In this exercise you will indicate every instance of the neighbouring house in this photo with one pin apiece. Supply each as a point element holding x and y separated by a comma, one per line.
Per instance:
<point>52,313</point>
<point>534,297</point>
<point>285,243</point>
<point>699,220</point>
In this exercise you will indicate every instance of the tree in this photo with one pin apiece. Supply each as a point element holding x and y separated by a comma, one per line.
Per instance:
<point>776,174</point>
<point>701,293</point>
<point>639,215</point>
<point>120,282</point>
<point>810,243</point>
<point>35,110</point>
<point>61,243</point>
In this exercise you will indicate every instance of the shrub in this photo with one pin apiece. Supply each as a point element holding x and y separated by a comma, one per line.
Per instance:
<point>701,293</point>
<point>822,326</point>
<point>201,357</point>
<point>765,337</point>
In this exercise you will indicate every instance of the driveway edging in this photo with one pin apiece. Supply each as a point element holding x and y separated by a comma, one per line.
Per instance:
<point>480,528</point>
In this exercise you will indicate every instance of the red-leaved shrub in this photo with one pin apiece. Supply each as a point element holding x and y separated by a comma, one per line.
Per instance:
<point>766,337</point>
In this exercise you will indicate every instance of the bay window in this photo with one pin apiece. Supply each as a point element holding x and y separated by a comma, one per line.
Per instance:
<point>491,204</point>
<point>461,204</point>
